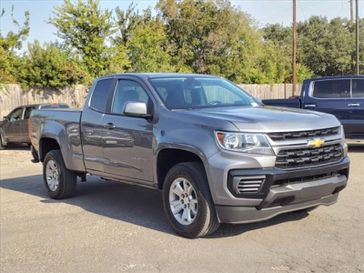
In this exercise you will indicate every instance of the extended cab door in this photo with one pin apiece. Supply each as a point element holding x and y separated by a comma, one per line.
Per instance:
<point>92,125</point>
<point>329,96</point>
<point>23,128</point>
<point>128,140</point>
<point>12,124</point>
<point>354,125</point>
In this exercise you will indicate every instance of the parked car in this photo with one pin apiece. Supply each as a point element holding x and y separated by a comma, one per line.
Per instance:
<point>342,96</point>
<point>217,154</point>
<point>14,126</point>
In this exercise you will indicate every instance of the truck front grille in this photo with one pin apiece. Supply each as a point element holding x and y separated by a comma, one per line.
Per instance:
<point>304,134</point>
<point>304,157</point>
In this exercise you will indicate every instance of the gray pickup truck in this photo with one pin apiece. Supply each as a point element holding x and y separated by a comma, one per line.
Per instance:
<point>216,153</point>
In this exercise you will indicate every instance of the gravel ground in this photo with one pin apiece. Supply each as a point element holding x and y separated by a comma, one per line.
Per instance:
<point>112,227</point>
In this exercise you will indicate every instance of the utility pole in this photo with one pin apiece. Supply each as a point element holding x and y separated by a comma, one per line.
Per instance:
<point>294,49</point>
<point>351,12</point>
<point>357,36</point>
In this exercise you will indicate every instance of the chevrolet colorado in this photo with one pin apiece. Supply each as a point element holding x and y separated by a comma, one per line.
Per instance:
<point>217,154</point>
<point>342,96</point>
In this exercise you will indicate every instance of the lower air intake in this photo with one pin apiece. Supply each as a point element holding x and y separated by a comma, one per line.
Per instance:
<point>248,184</point>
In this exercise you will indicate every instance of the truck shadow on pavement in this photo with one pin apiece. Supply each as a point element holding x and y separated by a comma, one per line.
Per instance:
<point>128,203</point>
<point>17,147</point>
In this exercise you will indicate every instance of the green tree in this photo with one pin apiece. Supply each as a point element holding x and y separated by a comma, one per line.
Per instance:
<point>9,44</point>
<point>325,47</point>
<point>48,67</point>
<point>84,27</point>
<point>148,48</point>
<point>127,20</point>
<point>281,38</point>
<point>215,37</point>
<point>118,59</point>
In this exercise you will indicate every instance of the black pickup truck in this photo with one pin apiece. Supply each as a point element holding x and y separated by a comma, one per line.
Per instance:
<point>342,96</point>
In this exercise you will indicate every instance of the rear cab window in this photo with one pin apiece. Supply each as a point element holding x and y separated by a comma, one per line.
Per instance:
<point>333,89</point>
<point>358,88</point>
<point>102,95</point>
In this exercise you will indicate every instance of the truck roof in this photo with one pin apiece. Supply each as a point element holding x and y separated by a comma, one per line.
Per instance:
<point>159,75</point>
<point>337,77</point>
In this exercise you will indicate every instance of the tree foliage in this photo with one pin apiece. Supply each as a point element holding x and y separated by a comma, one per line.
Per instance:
<point>202,36</point>
<point>84,27</point>
<point>48,66</point>
<point>148,48</point>
<point>324,47</point>
<point>9,43</point>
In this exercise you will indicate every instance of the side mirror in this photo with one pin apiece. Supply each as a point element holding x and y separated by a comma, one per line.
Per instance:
<point>137,109</point>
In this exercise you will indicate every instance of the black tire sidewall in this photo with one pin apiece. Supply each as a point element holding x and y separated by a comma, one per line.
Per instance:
<point>53,155</point>
<point>195,177</point>
<point>67,178</point>
<point>2,144</point>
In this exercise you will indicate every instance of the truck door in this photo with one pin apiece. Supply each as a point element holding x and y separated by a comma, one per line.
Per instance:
<point>92,125</point>
<point>355,122</point>
<point>12,124</point>
<point>329,96</point>
<point>23,130</point>
<point>128,140</point>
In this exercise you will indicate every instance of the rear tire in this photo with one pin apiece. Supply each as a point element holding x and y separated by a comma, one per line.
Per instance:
<point>59,181</point>
<point>3,142</point>
<point>34,154</point>
<point>185,188</point>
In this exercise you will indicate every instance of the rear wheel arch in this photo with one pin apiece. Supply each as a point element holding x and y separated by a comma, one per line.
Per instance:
<point>47,144</point>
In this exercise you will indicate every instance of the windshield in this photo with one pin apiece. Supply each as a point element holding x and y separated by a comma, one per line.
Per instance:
<point>197,92</point>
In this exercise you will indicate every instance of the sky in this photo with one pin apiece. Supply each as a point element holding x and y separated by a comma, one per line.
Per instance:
<point>263,11</point>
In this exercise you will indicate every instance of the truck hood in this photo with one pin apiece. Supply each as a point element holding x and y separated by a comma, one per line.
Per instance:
<point>270,119</point>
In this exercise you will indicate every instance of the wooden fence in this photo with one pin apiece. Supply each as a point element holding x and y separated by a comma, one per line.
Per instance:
<point>11,95</point>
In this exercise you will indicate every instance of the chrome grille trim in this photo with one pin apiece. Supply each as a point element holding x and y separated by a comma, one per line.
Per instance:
<point>303,156</point>
<point>280,136</point>
<point>248,184</point>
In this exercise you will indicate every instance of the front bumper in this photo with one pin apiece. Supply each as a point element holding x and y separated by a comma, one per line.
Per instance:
<point>241,215</point>
<point>283,192</point>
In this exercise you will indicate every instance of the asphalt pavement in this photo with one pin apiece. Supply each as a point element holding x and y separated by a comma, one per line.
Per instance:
<point>113,227</point>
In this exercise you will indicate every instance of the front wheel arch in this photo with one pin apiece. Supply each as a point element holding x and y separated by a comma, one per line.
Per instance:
<point>169,157</point>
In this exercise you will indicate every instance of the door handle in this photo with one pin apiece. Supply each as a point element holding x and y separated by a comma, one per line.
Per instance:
<point>353,104</point>
<point>310,105</point>
<point>109,125</point>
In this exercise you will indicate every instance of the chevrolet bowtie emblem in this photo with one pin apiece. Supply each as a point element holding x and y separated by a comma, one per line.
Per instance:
<point>316,143</point>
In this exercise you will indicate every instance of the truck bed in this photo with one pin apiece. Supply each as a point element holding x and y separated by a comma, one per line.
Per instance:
<point>62,125</point>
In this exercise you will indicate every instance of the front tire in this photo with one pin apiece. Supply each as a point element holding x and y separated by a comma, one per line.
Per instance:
<point>187,201</point>
<point>59,181</point>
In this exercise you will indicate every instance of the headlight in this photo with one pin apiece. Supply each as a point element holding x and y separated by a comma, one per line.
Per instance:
<point>244,142</point>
